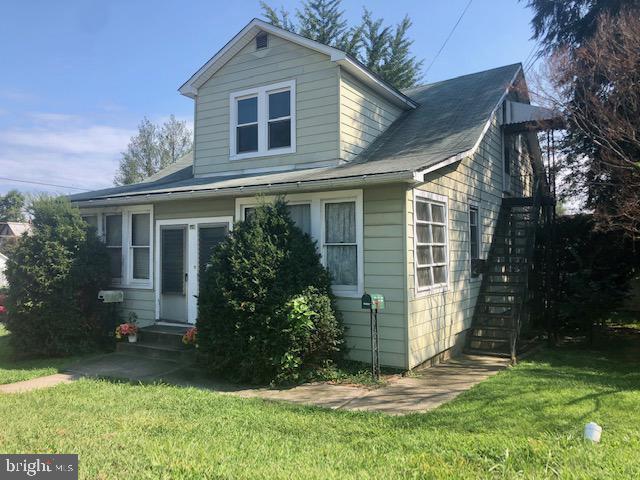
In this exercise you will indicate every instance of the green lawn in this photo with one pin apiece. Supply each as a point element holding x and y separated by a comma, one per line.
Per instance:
<point>15,371</point>
<point>523,423</point>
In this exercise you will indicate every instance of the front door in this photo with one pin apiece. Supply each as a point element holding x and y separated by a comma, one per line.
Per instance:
<point>173,273</point>
<point>184,254</point>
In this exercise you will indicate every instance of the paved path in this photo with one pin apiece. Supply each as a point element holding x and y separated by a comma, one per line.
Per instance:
<point>38,383</point>
<point>420,392</point>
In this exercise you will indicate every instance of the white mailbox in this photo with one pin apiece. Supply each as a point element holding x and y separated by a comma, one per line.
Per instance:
<point>111,296</point>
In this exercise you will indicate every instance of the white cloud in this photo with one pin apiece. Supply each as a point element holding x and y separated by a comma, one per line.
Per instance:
<point>58,150</point>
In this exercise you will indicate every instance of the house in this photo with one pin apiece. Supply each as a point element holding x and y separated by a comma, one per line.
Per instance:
<point>3,266</point>
<point>9,231</point>
<point>403,191</point>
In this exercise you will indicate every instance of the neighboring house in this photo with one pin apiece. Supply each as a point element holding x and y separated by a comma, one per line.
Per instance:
<point>401,190</point>
<point>3,266</point>
<point>10,231</point>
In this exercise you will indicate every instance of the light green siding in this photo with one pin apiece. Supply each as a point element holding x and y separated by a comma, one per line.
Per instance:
<point>384,272</point>
<point>363,116</point>
<point>436,319</point>
<point>316,105</point>
<point>141,302</point>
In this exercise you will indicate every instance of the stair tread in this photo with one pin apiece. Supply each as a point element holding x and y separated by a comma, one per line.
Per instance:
<point>155,346</point>
<point>476,351</point>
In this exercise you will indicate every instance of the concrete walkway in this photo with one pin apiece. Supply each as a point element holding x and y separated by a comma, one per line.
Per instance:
<point>420,392</point>
<point>38,383</point>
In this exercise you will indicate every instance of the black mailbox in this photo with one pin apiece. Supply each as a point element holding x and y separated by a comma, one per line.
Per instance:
<point>366,301</point>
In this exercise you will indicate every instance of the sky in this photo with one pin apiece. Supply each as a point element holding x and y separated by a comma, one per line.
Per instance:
<point>77,77</point>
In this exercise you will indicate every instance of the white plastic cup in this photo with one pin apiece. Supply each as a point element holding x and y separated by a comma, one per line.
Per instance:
<point>592,432</point>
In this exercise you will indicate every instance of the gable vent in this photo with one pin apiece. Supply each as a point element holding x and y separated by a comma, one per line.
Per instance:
<point>261,40</point>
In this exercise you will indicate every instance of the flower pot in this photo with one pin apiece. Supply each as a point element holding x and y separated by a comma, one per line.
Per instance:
<point>133,338</point>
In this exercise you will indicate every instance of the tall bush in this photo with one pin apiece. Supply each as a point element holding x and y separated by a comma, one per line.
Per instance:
<point>54,277</point>
<point>595,268</point>
<point>266,311</point>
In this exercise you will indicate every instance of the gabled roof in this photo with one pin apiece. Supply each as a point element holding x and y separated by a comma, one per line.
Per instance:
<point>248,33</point>
<point>447,126</point>
<point>13,229</point>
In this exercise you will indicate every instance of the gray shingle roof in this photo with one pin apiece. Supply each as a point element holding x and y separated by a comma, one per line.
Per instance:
<point>449,121</point>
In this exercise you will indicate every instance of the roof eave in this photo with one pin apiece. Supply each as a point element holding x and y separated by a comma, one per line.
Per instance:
<point>405,176</point>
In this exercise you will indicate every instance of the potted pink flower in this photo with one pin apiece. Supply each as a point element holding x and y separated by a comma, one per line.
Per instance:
<point>128,329</point>
<point>190,337</point>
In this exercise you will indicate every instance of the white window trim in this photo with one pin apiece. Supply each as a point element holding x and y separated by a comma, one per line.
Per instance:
<point>127,280</point>
<point>442,287</point>
<point>263,120</point>
<point>475,205</point>
<point>317,202</point>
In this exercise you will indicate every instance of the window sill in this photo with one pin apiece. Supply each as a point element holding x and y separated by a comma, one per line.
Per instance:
<point>425,292</point>
<point>269,153</point>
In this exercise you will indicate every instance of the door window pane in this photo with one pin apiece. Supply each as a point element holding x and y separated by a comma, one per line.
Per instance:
<point>280,134</point>
<point>279,105</point>
<point>172,260</point>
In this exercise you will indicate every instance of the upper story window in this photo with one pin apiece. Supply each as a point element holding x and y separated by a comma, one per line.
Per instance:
<point>431,243</point>
<point>263,121</point>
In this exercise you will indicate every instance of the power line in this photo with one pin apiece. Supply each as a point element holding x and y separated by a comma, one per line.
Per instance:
<point>444,44</point>
<point>42,183</point>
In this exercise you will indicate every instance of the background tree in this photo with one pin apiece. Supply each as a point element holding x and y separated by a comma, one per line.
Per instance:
<point>12,207</point>
<point>593,49</point>
<point>152,149</point>
<point>382,48</point>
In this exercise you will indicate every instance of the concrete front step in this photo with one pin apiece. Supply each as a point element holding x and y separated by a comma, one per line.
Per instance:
<point>183,355</point>
<point>163,336</point>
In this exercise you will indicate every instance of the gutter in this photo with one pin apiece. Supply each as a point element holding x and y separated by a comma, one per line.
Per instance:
<point>289,187</point>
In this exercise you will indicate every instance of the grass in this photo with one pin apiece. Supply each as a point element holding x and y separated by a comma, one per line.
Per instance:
<point>525,422</point>
<point>15,371</point>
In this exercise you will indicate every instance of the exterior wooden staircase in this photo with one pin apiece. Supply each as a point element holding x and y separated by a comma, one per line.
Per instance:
<point>501,311</point>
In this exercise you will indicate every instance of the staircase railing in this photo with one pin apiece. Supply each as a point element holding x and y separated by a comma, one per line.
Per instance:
<point>520,311</point>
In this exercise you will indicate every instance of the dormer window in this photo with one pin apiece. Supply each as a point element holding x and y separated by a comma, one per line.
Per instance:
<point>263,121</point>
<point>262,40</point>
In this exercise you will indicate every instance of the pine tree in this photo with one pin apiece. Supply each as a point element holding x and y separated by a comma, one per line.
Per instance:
<point>401,69</point>
<point>322,21</point>
<point>376,42</point>
<point>383,49</point>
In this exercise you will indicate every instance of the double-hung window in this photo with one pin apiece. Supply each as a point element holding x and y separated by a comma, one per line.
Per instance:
<point>474,232</point>
<point>113,240</point>
<point>334,221</point>
<point>263,121</point>
<point>340,243</point>
<point>140,246</point>
<point>128,236</point>
<point>431,256</point>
